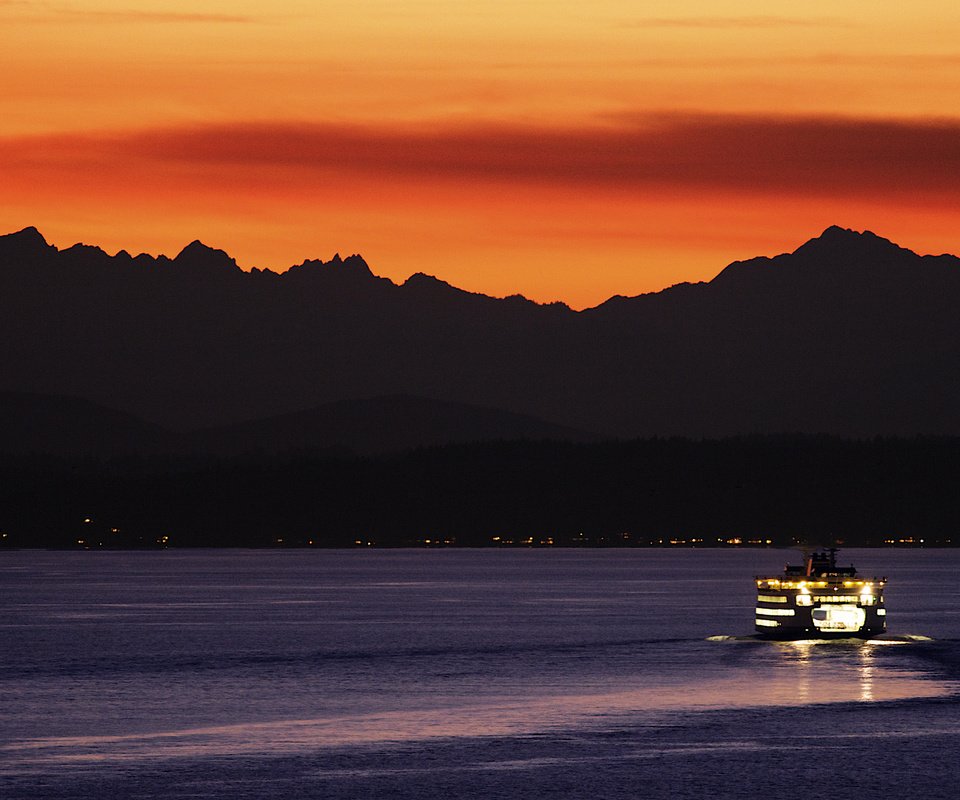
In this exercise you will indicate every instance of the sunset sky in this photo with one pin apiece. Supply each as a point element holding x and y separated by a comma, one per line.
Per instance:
<point>561,150</point>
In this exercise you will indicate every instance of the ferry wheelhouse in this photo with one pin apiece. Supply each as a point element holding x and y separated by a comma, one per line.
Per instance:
<point>820,600</point>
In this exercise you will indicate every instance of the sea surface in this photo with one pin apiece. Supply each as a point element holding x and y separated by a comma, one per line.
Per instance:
<point>464,674</point>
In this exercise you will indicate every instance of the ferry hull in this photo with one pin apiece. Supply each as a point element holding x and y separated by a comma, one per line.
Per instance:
<point>795,634</point>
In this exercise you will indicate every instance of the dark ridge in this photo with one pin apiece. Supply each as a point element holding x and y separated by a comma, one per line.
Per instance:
<point>380,425</point>
<point>56,425</point>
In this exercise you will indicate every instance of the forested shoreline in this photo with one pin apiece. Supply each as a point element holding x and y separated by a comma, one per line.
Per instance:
<point>759,490</point>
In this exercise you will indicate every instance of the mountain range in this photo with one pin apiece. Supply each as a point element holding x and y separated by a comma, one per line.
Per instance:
<point>849,334</point>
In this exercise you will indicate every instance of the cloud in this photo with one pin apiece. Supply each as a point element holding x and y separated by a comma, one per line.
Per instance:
<point>739,153</point>
<point>803,156</point>
<point>50,12</point>
<point>128,16</point>
<point>754,21</point>
<point>826,60</point>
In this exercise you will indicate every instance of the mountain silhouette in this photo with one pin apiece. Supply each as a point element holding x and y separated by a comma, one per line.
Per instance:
<point>378,425</point>
<point>44,425</point>
<point>55,425</point>
<point>849,334</point>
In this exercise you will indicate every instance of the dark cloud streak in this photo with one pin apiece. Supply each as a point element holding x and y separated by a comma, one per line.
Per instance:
<point>738,153</point>
<point>810,156</point>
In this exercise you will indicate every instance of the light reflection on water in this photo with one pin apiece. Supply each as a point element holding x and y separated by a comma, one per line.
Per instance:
<point>798,673</point>
<point>148,658</point>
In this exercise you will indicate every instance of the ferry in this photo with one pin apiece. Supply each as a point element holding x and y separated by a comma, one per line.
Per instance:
<point>820,600</point>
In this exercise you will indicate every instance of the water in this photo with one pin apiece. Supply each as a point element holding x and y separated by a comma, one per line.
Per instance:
<point>440,674</point>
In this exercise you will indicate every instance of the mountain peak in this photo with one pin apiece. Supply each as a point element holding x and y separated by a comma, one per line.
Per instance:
<point>81,249</point>
<point>430,286</point>
<point>197,248</point>
<point>351,265</point>
<point>197,255</point>
<point>28,233</point>
<point>355,262</point>
<point>835,232</point>
<point>844,243</point>
<point>422,279</point>
<point>836,255</point>
<point>26,242</point>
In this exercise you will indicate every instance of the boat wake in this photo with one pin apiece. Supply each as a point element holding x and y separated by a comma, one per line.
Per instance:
<point>884,638</point>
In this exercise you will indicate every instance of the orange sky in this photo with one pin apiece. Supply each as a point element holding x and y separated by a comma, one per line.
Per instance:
<point>558,149</point>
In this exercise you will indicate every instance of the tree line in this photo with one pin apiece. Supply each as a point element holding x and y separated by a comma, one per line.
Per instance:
<point>756,489</point>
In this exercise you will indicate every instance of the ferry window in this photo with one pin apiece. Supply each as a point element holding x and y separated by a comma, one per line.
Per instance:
<point>839,618</point>
<point>771,598</point>
<point>804,600</point>
<point>775,612</point>
<point>836,598</point>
